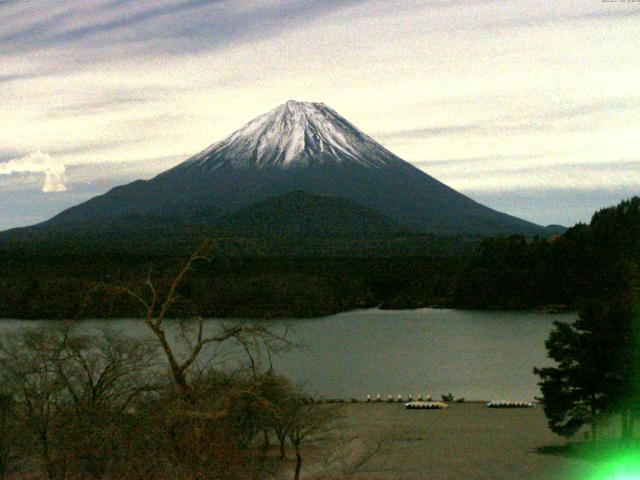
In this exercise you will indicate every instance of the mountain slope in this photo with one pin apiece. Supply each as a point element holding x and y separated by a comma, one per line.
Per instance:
<point>302,214</point>
<point>302,147</point>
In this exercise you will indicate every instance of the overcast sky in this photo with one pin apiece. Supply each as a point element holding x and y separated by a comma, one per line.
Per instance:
<point>529,106</point>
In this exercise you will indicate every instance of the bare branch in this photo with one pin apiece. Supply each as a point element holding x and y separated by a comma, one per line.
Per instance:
<point>172,295</point>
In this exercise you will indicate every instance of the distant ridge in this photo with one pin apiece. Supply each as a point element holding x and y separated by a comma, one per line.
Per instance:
<point>299,213</point>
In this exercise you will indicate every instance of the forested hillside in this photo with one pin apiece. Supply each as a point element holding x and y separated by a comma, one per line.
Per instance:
<point>266,277</point>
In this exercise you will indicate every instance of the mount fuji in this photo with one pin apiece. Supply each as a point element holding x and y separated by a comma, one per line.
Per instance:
<point>296,147</point>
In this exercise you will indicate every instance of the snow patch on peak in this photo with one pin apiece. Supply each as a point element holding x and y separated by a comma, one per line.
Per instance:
<point>301,104</point>
<point>296,134</point>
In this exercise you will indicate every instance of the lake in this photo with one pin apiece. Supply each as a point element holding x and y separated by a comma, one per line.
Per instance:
<point>477,355</point>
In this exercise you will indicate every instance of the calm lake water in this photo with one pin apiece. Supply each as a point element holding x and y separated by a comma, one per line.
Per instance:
<point>478,355</point>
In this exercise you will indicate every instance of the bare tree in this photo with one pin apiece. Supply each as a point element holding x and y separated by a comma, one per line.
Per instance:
<point>7,433</point>
<point>104,370</point>
<point>27,373</point>
<point>70,392</point>
<point>203,418</point>
<point>305,420</point>
<point>156,307</point>
<point>104,374</point>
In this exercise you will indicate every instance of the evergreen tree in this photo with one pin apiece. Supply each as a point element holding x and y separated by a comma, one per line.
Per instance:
<point>574,392</point>
<point>598,356</point>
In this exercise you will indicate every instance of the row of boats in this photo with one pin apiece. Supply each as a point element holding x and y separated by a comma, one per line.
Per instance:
<point>421,405</point>
<point>508,404</point>
<point>445,398</point>
<point>427,403</point>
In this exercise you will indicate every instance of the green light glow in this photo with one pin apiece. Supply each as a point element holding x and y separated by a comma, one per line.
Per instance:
<point>622,466</point>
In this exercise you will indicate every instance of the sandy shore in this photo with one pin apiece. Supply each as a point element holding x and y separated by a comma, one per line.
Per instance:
<point>466,441</point>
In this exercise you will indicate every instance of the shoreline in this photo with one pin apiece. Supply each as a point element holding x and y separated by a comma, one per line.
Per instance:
<point>545,310</point>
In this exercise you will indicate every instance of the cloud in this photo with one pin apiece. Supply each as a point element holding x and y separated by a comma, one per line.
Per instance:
<point>171,26</point>
<point>429,132</point>
<point>492,128</point>
<point>545,119</point>
<point>15,77</point>
<point>467,162</point>
<point>38,162</point>
<point>546,19</point>
<point>500,176</point>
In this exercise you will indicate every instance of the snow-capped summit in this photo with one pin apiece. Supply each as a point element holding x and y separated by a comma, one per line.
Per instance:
<point>295,134</point>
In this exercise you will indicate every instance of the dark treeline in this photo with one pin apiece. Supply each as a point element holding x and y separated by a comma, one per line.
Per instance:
<point>258,287</point>
<point>247,279</point>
